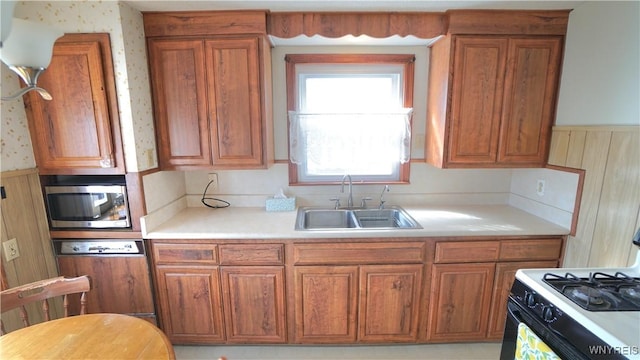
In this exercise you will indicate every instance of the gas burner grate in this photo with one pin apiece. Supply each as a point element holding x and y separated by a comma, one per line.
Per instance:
<point>599,291</point>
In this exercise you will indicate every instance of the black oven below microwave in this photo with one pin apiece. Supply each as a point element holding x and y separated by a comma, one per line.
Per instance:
<point>87,206</point>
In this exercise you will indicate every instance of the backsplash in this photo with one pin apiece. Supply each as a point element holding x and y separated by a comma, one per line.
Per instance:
<point>546,193</point>
<point>429,186</point>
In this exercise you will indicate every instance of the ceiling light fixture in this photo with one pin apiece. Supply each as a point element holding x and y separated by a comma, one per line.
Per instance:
<point>27,51</point>
<point>6,15</point>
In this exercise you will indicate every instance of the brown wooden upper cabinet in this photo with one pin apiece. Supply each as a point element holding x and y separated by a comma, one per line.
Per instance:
<point>211,87</point>
<point>492,100</point>
<point>78,132</point>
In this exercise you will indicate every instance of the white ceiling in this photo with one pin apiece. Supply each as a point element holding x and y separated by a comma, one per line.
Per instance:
<point>347,5</point>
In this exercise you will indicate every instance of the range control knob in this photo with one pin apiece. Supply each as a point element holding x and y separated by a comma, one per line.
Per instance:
<point>547,313</point>
<point>530,299</point>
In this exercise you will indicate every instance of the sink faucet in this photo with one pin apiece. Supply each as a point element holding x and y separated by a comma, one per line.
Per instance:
<point>382,201</point>
<point>350,199</point>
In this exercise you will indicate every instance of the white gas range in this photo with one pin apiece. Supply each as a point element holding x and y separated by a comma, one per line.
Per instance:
<point>580,313</point>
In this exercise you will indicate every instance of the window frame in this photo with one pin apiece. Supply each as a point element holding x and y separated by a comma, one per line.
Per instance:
<point>405,60</point>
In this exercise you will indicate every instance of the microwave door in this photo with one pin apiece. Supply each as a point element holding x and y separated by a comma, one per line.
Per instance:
<point>73,207</point>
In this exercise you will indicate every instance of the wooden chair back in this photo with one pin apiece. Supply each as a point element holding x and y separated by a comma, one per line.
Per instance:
<point>42,291</point>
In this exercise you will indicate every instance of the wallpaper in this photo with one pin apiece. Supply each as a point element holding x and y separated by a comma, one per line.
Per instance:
<point>137,130</point>
<point>125,28</point>
<point>15,144</point>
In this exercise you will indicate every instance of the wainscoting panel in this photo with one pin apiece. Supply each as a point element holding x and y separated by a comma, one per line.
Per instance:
<point>24,218</point>
<point>610,208</point>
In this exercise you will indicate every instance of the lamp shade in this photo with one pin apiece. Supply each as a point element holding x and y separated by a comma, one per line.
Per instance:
<point>29,44</point>
<point>6,15</point>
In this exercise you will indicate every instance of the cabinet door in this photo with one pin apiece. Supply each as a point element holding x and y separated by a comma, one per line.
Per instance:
<point>189,304</point>
<point>326,304</point>
<point>234,93</point>
<point>476,99</point>
<point>505,274</point>
<point>531,87</point>
<point>78,131</point>
<point>119,284</point>
<point>178,79</point>
<point>254,303</point>
<point>389,302</point>
<point>460,300</point>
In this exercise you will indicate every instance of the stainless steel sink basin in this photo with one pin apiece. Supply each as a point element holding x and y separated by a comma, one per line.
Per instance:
<point>325,219</point>
<point>392,217</point>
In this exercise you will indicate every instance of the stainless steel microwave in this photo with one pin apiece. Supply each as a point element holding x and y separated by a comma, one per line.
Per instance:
<point>91,206</point>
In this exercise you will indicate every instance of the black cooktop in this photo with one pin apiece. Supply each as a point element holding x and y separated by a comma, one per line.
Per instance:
<point>600,291</point>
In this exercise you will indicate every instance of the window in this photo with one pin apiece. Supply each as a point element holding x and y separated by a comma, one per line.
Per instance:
<point>349,114</point>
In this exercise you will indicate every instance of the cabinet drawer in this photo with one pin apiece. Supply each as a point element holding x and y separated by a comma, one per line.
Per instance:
<point>185,253</point>
<point>531,249</point>
<point>359,253</point>
<point>467,251</point>
<point>254,254</point>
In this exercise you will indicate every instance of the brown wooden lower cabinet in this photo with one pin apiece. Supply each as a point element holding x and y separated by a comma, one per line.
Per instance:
<point>505,275</point>
<point>189,302</point>
<point>347,304</point>
<point>202,301</point>
<point>340,292</point>
<point>250,307</point>
<point>254,303</point>
<point>469,289</point>
<point>389,303</point>
<point>460,300</point>
<point>326,304</point>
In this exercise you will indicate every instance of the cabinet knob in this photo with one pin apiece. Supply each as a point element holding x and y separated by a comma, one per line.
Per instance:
<point>107,162</point>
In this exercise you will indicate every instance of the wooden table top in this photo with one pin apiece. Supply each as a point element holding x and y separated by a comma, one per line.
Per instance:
<point>91,336</point>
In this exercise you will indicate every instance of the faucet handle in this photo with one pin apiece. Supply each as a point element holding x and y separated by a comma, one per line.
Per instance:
<point>337,200</point>
<point>382,204</point>
<point>363,203</point>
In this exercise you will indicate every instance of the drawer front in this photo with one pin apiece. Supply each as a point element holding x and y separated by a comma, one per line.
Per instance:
<point>359,253</point>
<point>467,251</point>
<point>252,254</point>
<point>185,253</point>
<point>531,249</point>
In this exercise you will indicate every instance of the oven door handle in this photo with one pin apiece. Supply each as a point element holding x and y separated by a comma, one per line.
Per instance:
<point>515,314</point>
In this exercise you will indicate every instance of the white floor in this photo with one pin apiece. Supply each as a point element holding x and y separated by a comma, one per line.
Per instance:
<point>472,351</point>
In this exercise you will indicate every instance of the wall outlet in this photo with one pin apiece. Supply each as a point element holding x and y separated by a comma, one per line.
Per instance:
<point>213,181</point>
<point>10,249</point>
<point>540,187</point>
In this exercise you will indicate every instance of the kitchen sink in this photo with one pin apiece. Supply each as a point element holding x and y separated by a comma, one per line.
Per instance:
<point>392,217</point>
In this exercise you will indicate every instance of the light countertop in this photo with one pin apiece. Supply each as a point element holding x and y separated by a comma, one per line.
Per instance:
<point>436,221</point>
